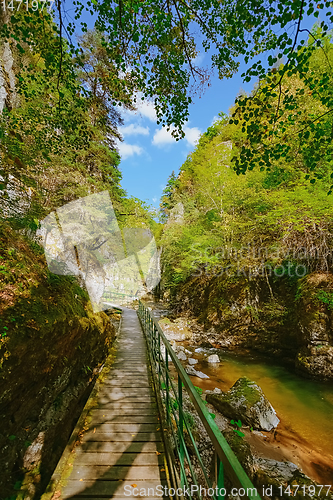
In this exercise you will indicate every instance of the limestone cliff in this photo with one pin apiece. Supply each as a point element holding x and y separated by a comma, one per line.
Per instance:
<point>52,346</point>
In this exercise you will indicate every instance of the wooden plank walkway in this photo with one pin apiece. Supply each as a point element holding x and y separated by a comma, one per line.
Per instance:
<point>123,447</point>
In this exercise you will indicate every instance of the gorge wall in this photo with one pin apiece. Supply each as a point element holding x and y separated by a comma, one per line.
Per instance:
<point>52,347</point>
<point>287,318</point>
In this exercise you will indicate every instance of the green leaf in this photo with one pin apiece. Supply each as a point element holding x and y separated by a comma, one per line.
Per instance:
<point>239,433</point>
<point>17,485</point>
<point>12,437</point>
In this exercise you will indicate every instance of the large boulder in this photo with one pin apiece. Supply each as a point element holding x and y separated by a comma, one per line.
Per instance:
<point>246,401</point>
<point>277,479</point>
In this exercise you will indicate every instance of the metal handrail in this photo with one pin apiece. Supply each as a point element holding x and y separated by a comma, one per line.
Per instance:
<point>226,462</point>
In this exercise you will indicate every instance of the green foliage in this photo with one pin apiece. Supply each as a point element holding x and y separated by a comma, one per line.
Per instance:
<point>326,298</point>
<point>166,200</point>
<point>288,117</point>
<point>189,419</point>
<point>151,47</point>
<point>237,423</point>
<point>17,485</point>
<point>269,223</point>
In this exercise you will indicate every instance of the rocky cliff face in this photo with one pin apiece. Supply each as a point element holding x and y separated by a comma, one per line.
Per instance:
<point>315,322</point>
<point>290,319</point>
<point>45,384</point>
<point>51,348</point>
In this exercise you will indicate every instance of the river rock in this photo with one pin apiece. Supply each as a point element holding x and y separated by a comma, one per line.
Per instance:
<point>190,370</point>
<point>192,361</point>
<point>213,358</point>
<point>268,470</point>
<point>199,349</point>
<point>201,375</point>
<point>316,360</point>
<point>182,356</point>
<point>246,401</point>
<point>214,391</point>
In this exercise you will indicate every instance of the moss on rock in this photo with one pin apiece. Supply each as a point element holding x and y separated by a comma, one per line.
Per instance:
<point>246,401</point>
<point>52,346</point>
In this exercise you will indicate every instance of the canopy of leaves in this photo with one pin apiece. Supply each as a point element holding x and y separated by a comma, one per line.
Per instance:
<point>155,44</point>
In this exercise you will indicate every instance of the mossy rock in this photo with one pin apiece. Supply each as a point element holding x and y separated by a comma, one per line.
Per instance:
<point>285,479</point>
<point>246,401</point>
<point>241,449</point>
<point>316,362</point>
<point>164,321</point>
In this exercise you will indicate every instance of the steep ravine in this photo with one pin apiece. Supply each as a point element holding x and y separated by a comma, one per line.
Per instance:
<point>304,406</point>
<point>290,320</point>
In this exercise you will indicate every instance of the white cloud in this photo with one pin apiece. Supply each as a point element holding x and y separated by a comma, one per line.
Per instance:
<point>215,119</point>
<point>199,58</point>
<point>127,150</point>
<point>133,129</point>
<point>154,199</point>
<point>146,109</point>
<point>192,135</point>
<point>162,137</point>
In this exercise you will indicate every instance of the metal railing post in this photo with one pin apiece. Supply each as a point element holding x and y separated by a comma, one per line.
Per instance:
<point>219,477</point>
<point>167,386</point>
<point>181,429</point>
<point>185,453</point>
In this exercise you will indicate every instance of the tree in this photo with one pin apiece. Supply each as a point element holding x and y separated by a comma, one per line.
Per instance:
<point>155,44</point>
<point>167,201</point>
<point>58,134</point>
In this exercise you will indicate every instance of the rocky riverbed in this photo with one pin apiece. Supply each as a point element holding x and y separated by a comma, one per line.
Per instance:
<point>277,454</point>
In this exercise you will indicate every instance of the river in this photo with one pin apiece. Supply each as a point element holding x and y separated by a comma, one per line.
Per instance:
<point>303,405</point>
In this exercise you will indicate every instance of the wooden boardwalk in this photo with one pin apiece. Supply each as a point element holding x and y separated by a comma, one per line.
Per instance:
<point>122,449</point>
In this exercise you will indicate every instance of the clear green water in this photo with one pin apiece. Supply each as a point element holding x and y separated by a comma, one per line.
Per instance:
<point>303,405</point>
